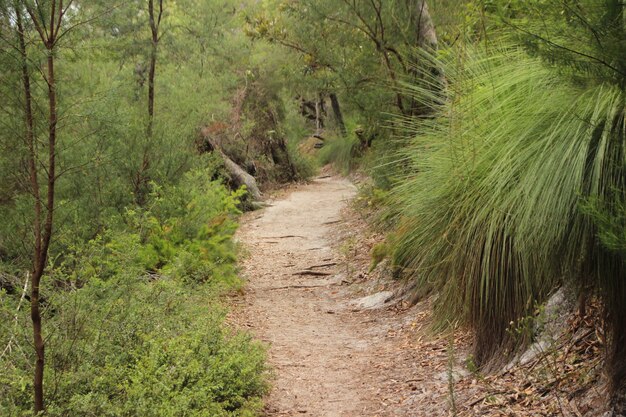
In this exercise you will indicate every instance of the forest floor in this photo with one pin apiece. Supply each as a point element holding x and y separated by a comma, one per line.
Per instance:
<point>341,345</point>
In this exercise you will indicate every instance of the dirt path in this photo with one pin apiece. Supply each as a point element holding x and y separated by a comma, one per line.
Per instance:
<point>308,262</point>
<point>329,358</point>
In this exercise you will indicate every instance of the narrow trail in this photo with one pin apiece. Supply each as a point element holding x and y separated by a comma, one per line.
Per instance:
<point>329,359</point>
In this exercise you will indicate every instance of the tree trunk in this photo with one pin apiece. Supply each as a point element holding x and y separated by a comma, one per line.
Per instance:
<point>238,174</point>
<point>35,315</point>
<point>154,29</point>
<point>426,35</point>
<point>49,35</point>
<point>426,39</point>
<point>392,76</point>
<point>34,183</point>
<point>241,177</point>
<point>334,102</point>
<point>29,134</point>
<point>142,177</point>
<point>318,118</point>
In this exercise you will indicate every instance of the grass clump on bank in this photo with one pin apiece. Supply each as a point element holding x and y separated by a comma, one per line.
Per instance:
<point>490,212</point>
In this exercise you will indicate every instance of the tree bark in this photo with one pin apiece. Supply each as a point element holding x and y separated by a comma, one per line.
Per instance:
<point>238,174</point>
<point>318,118</point>
<point>155,21</point>
<point>426,34</point>
<point>142,177</point>
<point>34,183</point>
<point>241,177</point>
<point>426,39</point>
<point>334,103</point>
<point>29,133</point>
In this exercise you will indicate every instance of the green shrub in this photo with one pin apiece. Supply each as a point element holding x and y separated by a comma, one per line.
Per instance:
<point>489,212</point>
<point>133,326</point>
<point>129,347</point>
<point>342,152</point>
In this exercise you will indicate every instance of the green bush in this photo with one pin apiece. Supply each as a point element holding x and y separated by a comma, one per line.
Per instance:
<point>489,211</point>
<point>129,347</point>
<point>133,325</point>
<point>342,152</point>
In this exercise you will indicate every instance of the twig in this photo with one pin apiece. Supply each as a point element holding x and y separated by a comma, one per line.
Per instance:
<point>286,287</point>
<point>313,273</point>
<point>16,316</point>
<point>322,265</point>
<point>283,237</point>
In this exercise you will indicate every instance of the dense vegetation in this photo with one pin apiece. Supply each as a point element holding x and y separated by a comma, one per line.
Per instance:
<point>521,178</point>
<point>498,154</point>
<point>117,220</point>
<point>494,132</point>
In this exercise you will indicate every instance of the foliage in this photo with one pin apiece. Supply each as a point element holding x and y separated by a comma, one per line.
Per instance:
<point>583,37</point>
<point>342,152</point>
<point>504,173</point>
<point>610,219</point>
<point>493,219</point>
<point>360,63</point>
<point>127,346</point>
<point>137,329</point>
<point>142,239</point>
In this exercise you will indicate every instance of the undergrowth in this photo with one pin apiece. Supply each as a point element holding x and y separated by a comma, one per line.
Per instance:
<point>340,151</point>
<point>134,323</point>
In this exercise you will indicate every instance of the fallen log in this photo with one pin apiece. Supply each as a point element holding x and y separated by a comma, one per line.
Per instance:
<point>241,177</point>
<point>238,174</point>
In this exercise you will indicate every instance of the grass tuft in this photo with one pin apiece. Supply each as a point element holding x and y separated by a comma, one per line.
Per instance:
<point>488,208</point>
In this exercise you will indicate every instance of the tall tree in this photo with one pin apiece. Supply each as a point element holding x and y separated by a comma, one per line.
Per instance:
<point>155,23</point>
<point>48,23</point>
<point>155,14</point>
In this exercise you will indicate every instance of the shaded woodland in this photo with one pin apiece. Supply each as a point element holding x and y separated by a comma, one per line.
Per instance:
<point>134,134</point>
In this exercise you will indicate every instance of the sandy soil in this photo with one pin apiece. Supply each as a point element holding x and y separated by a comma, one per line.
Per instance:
<point>331,358</point>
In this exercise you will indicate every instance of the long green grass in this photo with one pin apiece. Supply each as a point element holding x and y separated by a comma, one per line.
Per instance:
<point>342,152</point>
<point>488,205</point>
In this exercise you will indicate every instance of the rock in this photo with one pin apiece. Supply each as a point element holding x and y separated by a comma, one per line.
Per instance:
<point>457,374</point>
<point>373,301</point>
<point>547,328</point>
<point>536,349</point>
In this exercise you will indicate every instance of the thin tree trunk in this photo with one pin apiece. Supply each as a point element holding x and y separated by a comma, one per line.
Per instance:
<point>46,237</point>
<point>392,76</point>
<point>142,177</point>
<point>334,102</point>
<point>426,34</point>
<point>155,23</point>
<point>37,270</point>
<point>152,69</point>
<point>35,315</point>
<point>49,35</point>
<point>318,118</point>
<point>29,135</point>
